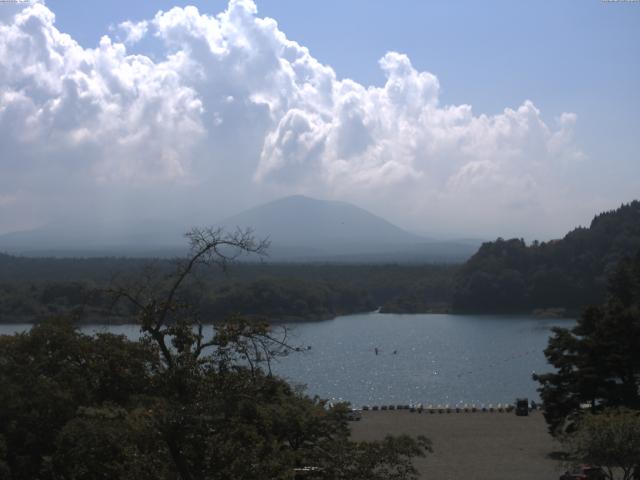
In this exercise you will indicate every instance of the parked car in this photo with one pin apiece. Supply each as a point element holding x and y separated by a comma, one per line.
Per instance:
<point>522,407</point>
<point>354,415</point>
<point>584,472</point>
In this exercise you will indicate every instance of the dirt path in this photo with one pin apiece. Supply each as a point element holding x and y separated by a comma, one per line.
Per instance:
<point>478,446</point>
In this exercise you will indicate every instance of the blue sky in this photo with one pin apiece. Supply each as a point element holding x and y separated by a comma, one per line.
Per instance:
<point>564,56</point>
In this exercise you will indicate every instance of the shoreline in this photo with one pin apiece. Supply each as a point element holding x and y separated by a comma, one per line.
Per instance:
<point>102,320</point>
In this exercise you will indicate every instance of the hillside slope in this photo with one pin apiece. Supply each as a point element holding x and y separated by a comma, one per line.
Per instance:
<point>306,229</point>
<point>508,275</point>
<point>299,220</point>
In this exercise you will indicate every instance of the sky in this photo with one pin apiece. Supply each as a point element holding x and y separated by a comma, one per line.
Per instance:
<point>451,119</point>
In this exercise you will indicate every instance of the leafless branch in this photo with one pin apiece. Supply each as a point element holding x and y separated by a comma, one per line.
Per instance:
<point>157,304</point>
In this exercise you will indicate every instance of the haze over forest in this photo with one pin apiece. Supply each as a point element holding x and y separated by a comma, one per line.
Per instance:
<point>134,117</point>
<point>298,228</point>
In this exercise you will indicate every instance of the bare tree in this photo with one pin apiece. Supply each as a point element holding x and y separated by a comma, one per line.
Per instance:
<point>165,317</point>
<point>175,326</point>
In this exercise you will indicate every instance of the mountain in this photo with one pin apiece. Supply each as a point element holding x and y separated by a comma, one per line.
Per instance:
<point>569,273</point>
<point>300,229</point>
<point>299,220</point>
<point>306,229</point>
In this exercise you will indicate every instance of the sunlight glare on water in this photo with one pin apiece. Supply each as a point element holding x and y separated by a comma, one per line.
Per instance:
<point>438,359</point>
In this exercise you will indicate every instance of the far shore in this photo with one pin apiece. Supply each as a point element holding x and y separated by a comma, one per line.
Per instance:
<point>95,319</point>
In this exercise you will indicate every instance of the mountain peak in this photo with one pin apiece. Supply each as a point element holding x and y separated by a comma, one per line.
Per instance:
<point>302,220</point>
<point>300,200</point>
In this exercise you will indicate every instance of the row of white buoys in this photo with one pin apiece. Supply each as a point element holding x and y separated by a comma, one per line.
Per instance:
<point>466,408</point>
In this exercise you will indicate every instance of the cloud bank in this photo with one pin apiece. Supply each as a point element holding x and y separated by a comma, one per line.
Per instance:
<point>228,111</point>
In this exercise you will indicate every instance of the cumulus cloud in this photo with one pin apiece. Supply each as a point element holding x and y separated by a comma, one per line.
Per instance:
<point>232,110</point>
<point>133,31</point>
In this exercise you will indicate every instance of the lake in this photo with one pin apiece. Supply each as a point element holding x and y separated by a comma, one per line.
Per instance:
<point>438,359</point>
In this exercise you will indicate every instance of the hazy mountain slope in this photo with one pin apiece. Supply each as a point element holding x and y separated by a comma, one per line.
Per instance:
<point>301,229</point>
<point>305,229</point>
<point>96,238</point>
<point>299,220</point>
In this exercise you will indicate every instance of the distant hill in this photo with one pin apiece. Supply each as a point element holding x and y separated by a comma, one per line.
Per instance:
<point>508,275</point>
<point>300,220</point>
<point>306,229</point>
<point>301,229</point>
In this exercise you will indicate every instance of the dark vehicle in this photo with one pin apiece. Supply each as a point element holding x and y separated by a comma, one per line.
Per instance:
<point>584,472</point>
<point>354,415</point>
<point>522,407</point>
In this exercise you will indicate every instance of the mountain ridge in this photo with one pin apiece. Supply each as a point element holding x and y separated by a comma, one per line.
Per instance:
<point>300,219</point>
<point>300,229</point>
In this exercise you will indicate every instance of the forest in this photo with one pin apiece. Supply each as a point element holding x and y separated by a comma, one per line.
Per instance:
<point>34,288</point>
<point>558,277</point>
<point>566,274</point>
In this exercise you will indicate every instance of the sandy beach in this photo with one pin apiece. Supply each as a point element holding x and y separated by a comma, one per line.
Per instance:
<point>478,446</point>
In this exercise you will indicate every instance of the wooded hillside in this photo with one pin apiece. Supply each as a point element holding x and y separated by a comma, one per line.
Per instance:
<point>508,275</point>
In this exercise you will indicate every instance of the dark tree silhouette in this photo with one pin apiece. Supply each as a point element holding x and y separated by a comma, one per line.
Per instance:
<point>598,360</point>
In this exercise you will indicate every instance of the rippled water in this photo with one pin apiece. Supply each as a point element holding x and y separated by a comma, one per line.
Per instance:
<point>439,359</point>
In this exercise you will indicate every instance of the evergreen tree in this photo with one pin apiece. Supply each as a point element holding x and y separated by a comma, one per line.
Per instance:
<point>598,360</point>
<point>570,273</point>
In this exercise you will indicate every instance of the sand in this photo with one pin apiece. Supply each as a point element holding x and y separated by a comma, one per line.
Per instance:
<point>479,446</point>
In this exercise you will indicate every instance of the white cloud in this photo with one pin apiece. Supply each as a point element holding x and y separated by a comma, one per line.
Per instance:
<point>133,31</point>
<point>232,105</point>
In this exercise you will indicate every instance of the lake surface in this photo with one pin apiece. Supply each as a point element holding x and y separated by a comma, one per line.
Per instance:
<point>438,359</point>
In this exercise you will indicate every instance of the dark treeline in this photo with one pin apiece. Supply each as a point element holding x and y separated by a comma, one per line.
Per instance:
<point>34,288</point>
<point>571,273</point>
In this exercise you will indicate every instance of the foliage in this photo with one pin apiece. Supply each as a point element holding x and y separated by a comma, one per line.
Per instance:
<point>285,299</point>
<point>389,459</point>
<point>508,275</point>
<point>48,373</point>
<point>598,361</point>
<point>610,440</point>
<point>431,293</point>
<point>186,401</point>
<point>35,288</point>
